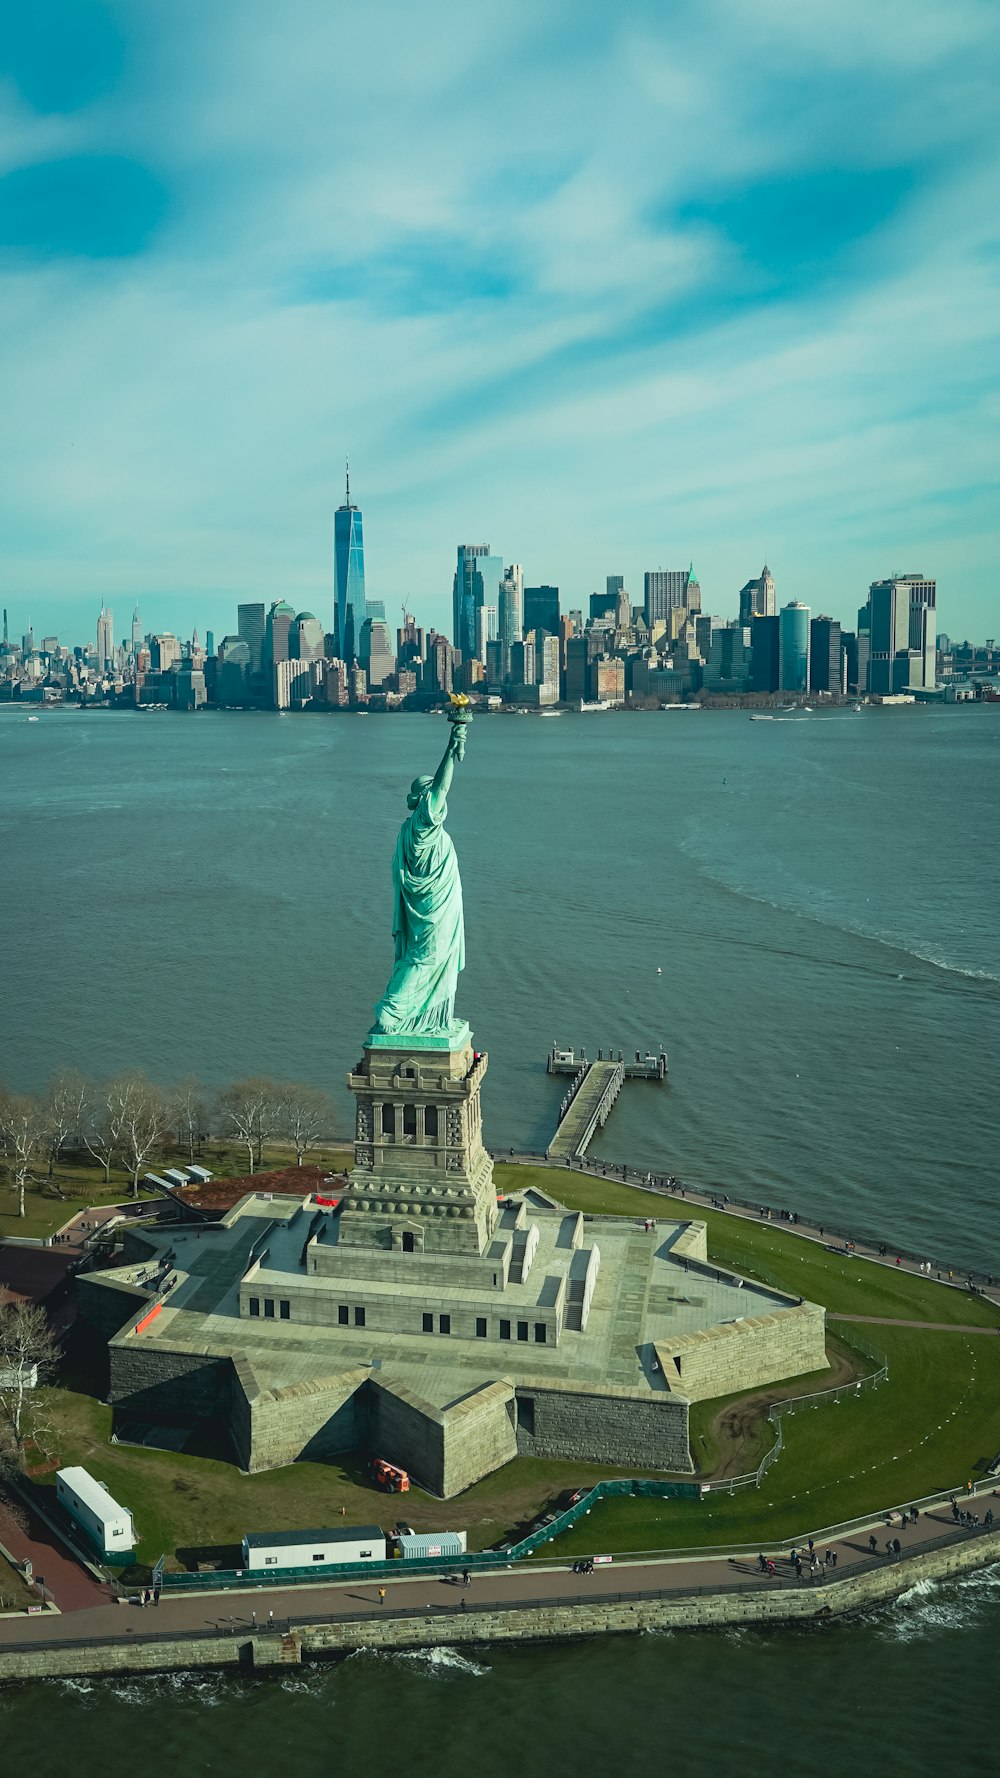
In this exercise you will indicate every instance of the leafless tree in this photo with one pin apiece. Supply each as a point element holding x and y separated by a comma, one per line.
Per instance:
<point>305,1116</point>
<point>22,1133</point>
<point>28,1356</point>
<point>189,1114</point>
<point>142,1114</point>
<point>102,1125</point>
<point>65,1108</point>
<point>248,1110</point>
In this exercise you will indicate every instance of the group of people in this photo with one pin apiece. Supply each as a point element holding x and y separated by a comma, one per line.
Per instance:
<point>801,1560</point>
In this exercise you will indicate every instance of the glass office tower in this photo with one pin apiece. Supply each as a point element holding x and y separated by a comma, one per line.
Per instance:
<point>349,575</point>
<point>793,646</point>
<point>478,578</point>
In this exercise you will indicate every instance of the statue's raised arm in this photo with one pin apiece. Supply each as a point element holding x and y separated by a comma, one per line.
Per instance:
<point>428,925</point>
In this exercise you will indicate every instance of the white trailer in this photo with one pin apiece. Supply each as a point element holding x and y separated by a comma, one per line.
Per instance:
<point>108,1526</point>
<point>313,1549</point>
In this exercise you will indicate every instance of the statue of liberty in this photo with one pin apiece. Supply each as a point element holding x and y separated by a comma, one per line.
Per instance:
<point>428,925</point>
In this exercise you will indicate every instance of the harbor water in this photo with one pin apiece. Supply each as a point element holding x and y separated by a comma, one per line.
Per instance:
<point>802,912</point>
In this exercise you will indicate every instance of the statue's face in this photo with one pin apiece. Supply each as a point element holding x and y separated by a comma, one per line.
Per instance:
<point>417,789</point>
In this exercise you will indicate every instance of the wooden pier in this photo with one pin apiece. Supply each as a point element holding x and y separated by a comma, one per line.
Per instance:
<point>594,1087</point>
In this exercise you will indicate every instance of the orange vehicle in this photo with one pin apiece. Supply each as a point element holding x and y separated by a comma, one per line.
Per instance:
<point>388,1476</point>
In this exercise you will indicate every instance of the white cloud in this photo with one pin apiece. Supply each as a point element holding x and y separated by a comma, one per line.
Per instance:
<point>176,425</point>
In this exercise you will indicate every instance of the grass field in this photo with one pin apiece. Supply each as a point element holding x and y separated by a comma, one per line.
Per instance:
<point>927,1428</point>
<point>169,1493</point>
<point>49,1204</point>
<point>848,1286</point>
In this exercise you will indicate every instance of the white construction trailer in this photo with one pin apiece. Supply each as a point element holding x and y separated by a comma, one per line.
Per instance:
<point>107,1525</point>
<point>309,1549</point>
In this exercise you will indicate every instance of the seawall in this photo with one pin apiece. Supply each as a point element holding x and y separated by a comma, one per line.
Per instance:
<point>264,1651</point>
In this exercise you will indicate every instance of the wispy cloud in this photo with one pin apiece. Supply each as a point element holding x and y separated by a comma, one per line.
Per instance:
<point>608,289</point>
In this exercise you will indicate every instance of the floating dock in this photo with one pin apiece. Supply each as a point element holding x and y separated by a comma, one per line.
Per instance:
<point>594,1087</point>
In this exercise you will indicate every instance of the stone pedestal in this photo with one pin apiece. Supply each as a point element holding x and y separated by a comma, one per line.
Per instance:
<point>422,1181</point>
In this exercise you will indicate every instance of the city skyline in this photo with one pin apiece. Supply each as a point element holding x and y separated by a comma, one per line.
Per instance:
<point>753,320</point>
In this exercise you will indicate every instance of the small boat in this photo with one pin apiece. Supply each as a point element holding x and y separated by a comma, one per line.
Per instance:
<point>659,970</point>
<point>32,718</point>
<point>762,719</point>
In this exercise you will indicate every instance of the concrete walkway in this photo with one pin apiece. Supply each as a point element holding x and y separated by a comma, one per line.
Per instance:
<point>66,1581</point>
<point>527,1583</point>
<point>924,1326</point>
<point>663,1185</point>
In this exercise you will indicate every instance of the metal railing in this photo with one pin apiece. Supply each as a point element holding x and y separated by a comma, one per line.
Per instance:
<point>734,1582</point>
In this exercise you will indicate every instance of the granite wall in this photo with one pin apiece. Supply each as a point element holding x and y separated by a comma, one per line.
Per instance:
<point>628,1428</point>
<point>743,1354</point>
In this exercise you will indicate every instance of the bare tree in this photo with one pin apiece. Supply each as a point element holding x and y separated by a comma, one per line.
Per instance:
<point>28,1356</point>
<point>189,1114</point>
<point>305,1116</point>
<point>102,1125</point>
<point>65,1108</point>
<point>142,1114</point>
<point>249,1109</point>
<point>22,1129</point>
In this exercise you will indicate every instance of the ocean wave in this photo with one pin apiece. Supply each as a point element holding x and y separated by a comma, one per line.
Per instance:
<point>440,1660</point>
<point>930,1606</point>
<point>921,950</point>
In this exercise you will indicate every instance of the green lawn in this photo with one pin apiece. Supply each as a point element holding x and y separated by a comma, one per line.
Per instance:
<point>169,1494</point>
<point>847,1286</point>
<point>924,1430</point>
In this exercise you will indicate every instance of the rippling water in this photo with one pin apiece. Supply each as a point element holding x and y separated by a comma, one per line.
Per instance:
<point>212,894</point>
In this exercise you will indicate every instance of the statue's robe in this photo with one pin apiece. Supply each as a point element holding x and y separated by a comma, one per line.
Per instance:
<point>428,926</point>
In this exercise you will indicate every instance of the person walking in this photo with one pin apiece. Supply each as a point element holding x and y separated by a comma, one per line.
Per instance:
<point>873,1543</point>
<point>381,1595</point>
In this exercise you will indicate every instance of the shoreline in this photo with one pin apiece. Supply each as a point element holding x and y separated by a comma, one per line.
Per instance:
<point>256,1650</point>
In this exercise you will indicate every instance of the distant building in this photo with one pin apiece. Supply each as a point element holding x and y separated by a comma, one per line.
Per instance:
<point>164,650</point>
<point>251,624</point>
<point>279,621</point>
<point>758,597</point>
<point>541,609</point>
<point>765,652</point>
<point>105,640</point>
<point>136,631</point>
<point>486,629</point>
<point>375,653</point>
<point>666,589</point>
<point>793,647</point>
<point>902,627</point>
<point>349,604</point>
<point>438,672</point>
<point>232,674</point>
<point>292,683</point>
<point>729,660</point>
<point>825,666</point>
<point>603,604</point>
<point>305,638</point>
<point>335,687</point>
<point>609,679</point>
<point>477,582</point>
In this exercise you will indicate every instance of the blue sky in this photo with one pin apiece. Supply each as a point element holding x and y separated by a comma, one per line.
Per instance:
<point>610,288</point>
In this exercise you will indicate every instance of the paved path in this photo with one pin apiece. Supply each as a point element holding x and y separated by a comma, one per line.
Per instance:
<point>924,1326</point>
<point>27,1538</point>
<point>666,1185</point>
<point>526,1583</point>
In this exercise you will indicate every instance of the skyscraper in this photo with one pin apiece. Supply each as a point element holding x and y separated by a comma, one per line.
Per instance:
<point>541,609</point>
<point>793,646</point>
<point>758,598</point>
<point>667,588</point>
<point>903,629</point>
<point>478,576</point>
<point>250,624</point>
<point>105,639</point>
<point>349,575</point>
<point>825,669</point>
<point>136,631</point>
<point>279,622</point>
